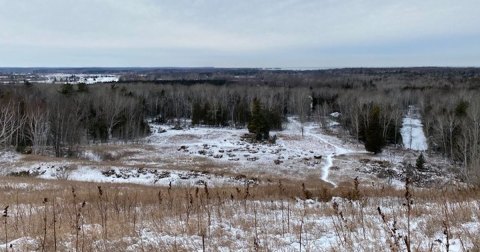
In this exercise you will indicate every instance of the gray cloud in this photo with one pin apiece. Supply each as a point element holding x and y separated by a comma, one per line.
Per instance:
<point>284,33</point>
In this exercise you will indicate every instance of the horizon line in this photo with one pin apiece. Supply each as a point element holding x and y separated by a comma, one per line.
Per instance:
<point>242,67</point>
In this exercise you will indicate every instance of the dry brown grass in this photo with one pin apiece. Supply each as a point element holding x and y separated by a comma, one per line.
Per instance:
<point>118,217</point>
<point>40,158</point>
<point>183,138</point>
<point>286,137</point>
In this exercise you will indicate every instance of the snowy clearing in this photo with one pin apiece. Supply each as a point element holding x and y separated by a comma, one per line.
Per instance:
<point>412,131</point>
<point>218,157</point>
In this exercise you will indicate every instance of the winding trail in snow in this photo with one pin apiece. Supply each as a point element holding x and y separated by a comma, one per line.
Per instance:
<point>337,150</point>
<point>329,158</point>
<point>326,169</point>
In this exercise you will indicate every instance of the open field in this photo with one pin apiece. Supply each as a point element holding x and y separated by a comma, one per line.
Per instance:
<point>197,188</point>
<point>218,157</point>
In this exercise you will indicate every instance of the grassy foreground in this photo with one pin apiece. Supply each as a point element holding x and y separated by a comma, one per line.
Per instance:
<point>75,216</point>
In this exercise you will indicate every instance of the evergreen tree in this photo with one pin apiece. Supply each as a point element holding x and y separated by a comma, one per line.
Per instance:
<point>66,89</point>
<point>461,108</point>
<point>374,141</point>
<point>258,123</point>
<point>420,162</point>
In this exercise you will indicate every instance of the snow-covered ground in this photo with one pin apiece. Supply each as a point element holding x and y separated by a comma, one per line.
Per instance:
<point>114,174</point>
<point>219,156</point>
<point>301,150</point>
<point>197,155</point>
<point>412,131</point>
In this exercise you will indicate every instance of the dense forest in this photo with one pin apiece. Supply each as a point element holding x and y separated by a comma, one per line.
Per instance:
<point>57,119</point>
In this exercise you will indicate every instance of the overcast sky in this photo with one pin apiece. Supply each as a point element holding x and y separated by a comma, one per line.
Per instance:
<point>239,33</point>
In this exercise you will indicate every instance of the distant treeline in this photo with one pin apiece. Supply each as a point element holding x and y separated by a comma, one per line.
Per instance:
<point>216,82</point>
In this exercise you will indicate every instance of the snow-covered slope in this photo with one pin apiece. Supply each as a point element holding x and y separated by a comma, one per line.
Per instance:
<point>412,131</point>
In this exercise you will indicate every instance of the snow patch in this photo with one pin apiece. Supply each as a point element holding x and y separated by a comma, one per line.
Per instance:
<point>412,131</point>
<point>335,114</point>
<point>8,156</point>
<point>80,78</point>
<point>21,244</point>
<point>90,155</point>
